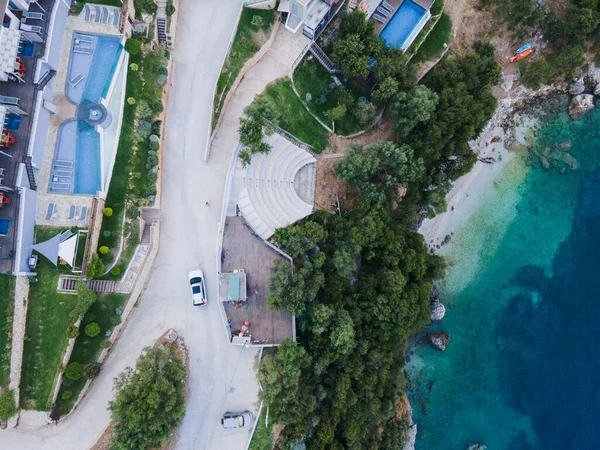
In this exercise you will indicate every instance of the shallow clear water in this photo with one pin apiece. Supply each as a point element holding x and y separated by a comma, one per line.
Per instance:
<point>104,63</point>
<point>519,372</point>
<point>402,23</point>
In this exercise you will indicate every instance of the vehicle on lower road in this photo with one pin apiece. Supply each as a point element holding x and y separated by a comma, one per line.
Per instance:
<point>237,420</point>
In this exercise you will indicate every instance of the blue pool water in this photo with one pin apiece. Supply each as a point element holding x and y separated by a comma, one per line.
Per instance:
<point>87,159</point>
<point>78,141</point>
<point>521,369</point>
<point>106,57</point>
<point>401,24</point>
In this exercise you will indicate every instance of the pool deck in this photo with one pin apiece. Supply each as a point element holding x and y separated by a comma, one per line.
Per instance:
<point>65,111</point>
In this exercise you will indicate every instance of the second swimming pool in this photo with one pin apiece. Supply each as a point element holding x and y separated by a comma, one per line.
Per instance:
<point>401,25</point>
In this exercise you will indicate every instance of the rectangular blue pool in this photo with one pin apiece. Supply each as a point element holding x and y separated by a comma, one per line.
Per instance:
<point>402,24</point>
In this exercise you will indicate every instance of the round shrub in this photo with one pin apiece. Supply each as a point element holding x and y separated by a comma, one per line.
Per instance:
<point>107,233</point>
<point>74,371</point>
<point>66,382</point>
<point>108,212</point>
<point>66,395</point>
<point>92,370</point>
<point>157,107</point>
<point>105,343</point>
<point>156,125</point>
<point>154,145</point>
<point>92,329</point>
<point>115,320</point>
<point>131,100</point>
<point>134,67</point>
<point>162,70</point>
<point>133,46</point>
<point>115,271</point>
<point>72,332</point>
<point>161,79</point>
<point>152,160</point>
<point>103,250</point>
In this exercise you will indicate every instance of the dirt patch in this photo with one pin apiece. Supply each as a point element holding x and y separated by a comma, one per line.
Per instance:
<point>260,37</point>
<point>328,185</point>
<point>103,443</point>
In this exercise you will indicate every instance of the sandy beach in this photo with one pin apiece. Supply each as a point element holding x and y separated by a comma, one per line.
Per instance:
<point>496,141</point>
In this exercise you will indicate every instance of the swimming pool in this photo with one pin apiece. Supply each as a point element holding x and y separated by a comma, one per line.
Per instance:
<point>403,27</point>
<point>78,157</point>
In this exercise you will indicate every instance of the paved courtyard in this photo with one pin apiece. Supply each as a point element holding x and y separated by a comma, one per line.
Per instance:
<point>242,249</point>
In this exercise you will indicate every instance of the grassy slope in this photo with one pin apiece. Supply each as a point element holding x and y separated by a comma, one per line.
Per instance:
<point>45,341</point>
<point>433,47</point>
<point>311,77</point>
<point>242,49</point>
<point>87,349</point>
<point>262,435</point>
<point>293,116</point>
<point>7,284</point>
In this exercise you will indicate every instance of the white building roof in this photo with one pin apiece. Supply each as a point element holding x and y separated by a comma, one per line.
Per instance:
<point>9,46</point>
<point>316,13</point>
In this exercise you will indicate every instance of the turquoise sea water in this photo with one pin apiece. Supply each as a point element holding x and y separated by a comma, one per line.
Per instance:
<point>522,306</point>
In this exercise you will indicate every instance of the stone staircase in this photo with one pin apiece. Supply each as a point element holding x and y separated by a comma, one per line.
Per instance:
<point>67,284</point>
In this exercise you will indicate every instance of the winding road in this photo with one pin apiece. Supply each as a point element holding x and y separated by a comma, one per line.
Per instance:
<point>221,375</point>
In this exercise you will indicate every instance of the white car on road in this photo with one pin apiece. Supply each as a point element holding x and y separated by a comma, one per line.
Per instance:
<point>198,287</point>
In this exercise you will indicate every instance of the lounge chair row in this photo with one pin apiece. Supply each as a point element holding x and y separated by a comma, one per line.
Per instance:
<point>96,14</point>
<point>75,212</point>
<point>383,12</point>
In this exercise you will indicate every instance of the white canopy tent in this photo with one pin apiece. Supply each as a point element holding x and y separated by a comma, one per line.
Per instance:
<point>63,246</point>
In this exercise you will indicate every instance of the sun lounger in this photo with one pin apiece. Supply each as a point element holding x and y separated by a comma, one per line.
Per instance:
<point>87,12</point>
<point>97,14</point>
<point>50,211</point>
<point>33,15</point>
<point>1,171</point>
<point>379,18</point>
<point>83,215</point>
<point>387,6</point>
<point>116,17</point>
<point>384,12</point>
<point>85,38</point>
<point>71,212</point>
<point>76,80</point>
<point>104,16</point>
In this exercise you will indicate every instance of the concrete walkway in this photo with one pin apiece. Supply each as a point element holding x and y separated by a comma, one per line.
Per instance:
<point>221,375</point>
<point>276,63</point>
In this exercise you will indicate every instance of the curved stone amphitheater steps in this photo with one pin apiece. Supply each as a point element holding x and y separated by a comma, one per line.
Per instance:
<point>278,188</point>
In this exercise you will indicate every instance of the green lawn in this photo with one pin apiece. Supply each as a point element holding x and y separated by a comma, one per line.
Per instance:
<point>7,284</point>
<point>45,334</point>
<point>293,117</point>
<point>87,349</point>
<point>311,78</point>
<point>243,48</point>
<point>262,435</point>
<point>433,47</point>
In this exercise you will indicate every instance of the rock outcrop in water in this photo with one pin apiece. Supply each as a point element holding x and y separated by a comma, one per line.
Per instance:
<point>440,340</point>
<point>437,311</point>
<point>580,104</point>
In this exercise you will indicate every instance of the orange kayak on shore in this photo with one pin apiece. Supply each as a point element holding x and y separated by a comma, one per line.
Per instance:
<point>520,56</point>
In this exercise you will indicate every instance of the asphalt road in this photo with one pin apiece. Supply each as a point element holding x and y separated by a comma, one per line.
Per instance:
<point>221,378</point>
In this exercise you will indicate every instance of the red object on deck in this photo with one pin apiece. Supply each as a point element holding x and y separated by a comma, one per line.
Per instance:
<point>5,200</point>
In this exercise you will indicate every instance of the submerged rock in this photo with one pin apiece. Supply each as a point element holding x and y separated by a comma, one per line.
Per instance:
<point>576,88</point>
<point>440,340</point>
<point>437,311</point>
<point>580,104</point>
<point>597,89</point>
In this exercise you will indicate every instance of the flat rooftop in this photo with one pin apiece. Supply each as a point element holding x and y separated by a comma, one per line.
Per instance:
<point>242,249</point>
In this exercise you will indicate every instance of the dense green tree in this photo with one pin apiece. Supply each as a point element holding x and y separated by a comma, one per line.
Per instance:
<point>379,168</point>
<point>336,113</point>
<point>412,108</point>
<point>95,267</point>
<point>393,63</point>
<point>535,73</point>
<point>350,54</point>
<point>364,113</point>
<point>386,90</point>
<point>149,400</point>
<point>85,299</point>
